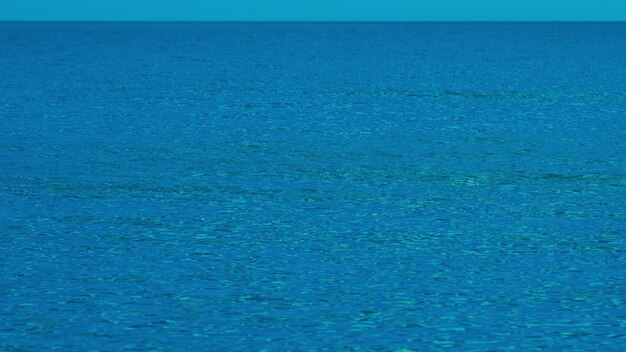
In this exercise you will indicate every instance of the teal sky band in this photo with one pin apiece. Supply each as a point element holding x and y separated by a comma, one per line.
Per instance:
<point>313,10</point>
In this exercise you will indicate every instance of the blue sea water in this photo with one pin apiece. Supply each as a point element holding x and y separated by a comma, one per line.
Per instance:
<point>312,186</point>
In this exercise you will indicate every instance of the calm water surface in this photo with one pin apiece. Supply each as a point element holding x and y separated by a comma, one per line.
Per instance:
<point>323,187</point>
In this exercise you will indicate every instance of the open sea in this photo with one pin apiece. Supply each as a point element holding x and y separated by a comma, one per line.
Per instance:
<point>312,186</point>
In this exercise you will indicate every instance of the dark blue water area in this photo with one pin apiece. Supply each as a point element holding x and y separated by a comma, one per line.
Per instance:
<point>312,186</point>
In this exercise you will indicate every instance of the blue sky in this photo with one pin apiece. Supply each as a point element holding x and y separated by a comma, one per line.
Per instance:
<point>314,10</point>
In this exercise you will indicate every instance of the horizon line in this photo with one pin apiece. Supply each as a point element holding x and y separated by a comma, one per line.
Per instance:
<point>310,21</point>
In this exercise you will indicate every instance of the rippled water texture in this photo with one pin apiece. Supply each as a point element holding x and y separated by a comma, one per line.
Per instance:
<point>233,186</point>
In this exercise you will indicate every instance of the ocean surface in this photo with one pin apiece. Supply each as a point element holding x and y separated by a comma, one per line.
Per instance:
<point>312,186</point>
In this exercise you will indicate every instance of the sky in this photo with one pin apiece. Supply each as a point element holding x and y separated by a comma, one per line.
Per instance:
<point>314,10</point>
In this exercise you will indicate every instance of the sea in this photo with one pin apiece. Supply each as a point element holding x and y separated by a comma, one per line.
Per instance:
<point>322,186</point>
